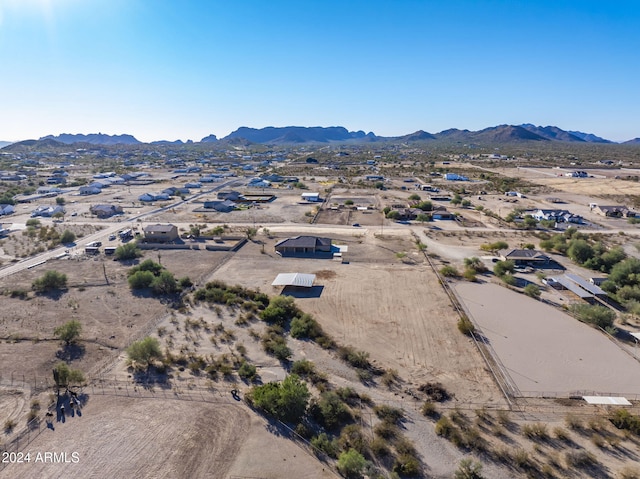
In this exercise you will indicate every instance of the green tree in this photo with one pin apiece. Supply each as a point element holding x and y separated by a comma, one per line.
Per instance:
<point>530,222</point>
<point>286,401</point>
<point>503,267</point>
<point>425,206</point>
<point>580,251</point>
<point>141,280</point>
<point>60,200</point>
<point>165,283</point>
<point>414,197</point>
<point>69,332</point>
<point>64,376</point>
<point>422,218</point>
<point>145,351</point>
<point>51,281</point>
<point>67,237</point>
<point>532,290</point>
<point>127,251</point>
<point>351,464</point>
<point>280,311</point>
<point>251,232</point>
<point>331,411</point>
<point>393,215</point>
<point>494,247</point>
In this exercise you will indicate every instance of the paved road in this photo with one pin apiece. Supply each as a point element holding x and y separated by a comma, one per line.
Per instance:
<point>108,229</point>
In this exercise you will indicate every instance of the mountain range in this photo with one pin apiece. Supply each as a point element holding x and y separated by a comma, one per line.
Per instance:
<point>336,134</point>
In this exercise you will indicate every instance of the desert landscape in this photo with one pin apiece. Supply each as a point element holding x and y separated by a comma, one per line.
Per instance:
<point>390,301</point>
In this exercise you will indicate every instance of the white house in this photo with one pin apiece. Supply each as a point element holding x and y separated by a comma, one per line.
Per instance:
<point>311,197</point>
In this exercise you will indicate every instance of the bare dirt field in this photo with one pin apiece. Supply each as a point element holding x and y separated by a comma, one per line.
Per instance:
<point>408,325</point>
<point>151,438</point>
<point>110,314</point>
<point>547,351</point>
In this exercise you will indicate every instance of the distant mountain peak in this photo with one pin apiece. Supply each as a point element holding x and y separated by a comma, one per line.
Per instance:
<point>93,138</point>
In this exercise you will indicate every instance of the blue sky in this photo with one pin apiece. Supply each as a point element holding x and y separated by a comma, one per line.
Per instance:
<point>169,69</point>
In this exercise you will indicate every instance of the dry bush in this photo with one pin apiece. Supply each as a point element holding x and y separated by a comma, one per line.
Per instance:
<point>536,431</point>
<point>561,434</point>
<point>573,422</point>
<point>429,410</point>
<point>629,472</point>
<point>521,458</point>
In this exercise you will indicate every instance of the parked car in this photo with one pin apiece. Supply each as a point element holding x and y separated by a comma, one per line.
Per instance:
<point>357,225</point>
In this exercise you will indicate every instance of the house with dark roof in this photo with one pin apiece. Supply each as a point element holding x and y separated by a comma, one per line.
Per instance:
<point>525,256</point>
<point>160,233</point>
<point>224,206</point>
<point>6,209</point>
<point>303,245</point>
<point>105,211</point>
<point>229,195</point>
<point>616,211</point>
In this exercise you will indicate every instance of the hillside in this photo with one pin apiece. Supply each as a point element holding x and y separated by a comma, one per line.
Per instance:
<point>94,139</point>
<point>295,134</point>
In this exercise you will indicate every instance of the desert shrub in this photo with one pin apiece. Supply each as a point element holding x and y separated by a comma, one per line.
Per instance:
<point>449,272</point>
<point>580,459</point>
<point>521,458</point>
<point>573,422</point>
<point>629,472</point>
<point>356,359</point>
<point>67,237</point>
<point>532,290</point>
<point>286,401</point>
<point>305,327</point>
<point>351,463</point>
<point>435,391</point>
<point>141,280</point>
<point>623,419</point>
<point>468,469</point>
<point>51,281</point>
<point>599,315</point>
<point>386,430</point>
<point>407,465</point>
<point>536,431</point>
<point>389,414</point>
<point>275,344</point>
<point>429,409</point>
<point>127,251</point>
<point>281,311</point>
<point>330,410</point>
<point>561,434</point>
<point>328,446</point>
<point>352,437</point>
<point>247,371</point>
<point>9,425</point>
<point>444,427</point>
<point>465,326</point>
<point>379,447</point>
<point>389,377</point>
